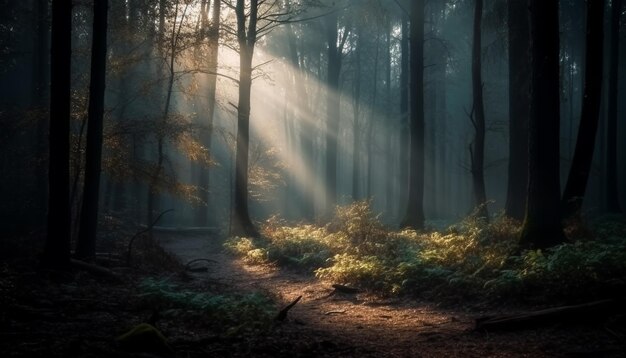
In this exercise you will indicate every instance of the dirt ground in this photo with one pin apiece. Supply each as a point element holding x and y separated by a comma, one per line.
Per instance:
<point>75,314</point>
<point>363,324</point>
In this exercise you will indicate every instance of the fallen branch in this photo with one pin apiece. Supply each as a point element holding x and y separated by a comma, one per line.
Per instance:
<point>345,289</point>
<point>132,239</point>
<point>334,312</point>
<point>188,264</point>
<point>96,270</point>
<point>283,313</point>
<point>592,311</point>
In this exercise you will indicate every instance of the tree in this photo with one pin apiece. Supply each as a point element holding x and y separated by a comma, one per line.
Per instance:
<point>175,48</point>
<point>57,248</point>
<point>246,38</point>
<point>306,128</point>
<point>414,217</point>
<point>583,153</point>
<point>542,223</point>
<point>335,50</point>
<point>86,245</point>
<point>477,116</point>
<point>356,124</point>
<point>212,30</point>
<point>403,181</point>
<point>612,197</point>
<point>519,108</point>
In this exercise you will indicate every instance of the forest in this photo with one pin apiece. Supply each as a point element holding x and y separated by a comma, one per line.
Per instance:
<point>312,178</point>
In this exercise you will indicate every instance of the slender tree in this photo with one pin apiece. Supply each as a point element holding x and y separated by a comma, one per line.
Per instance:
<point>335,50</point>
<point>86,245</point>
<point>356,123</point>
<point>41,70</point>
<point>372,121</point>
<point>403,172</point>
<point>306,128</point>
<point>389,162</point>
<point>477,116</point>
<point>414,217</point>
<point>246,38</point>
<point>519,108</point>
<point>583,153</point>
<point>542,223</point>
<point>213,34</point>
<point>57,248</point>
<point>612,193</point>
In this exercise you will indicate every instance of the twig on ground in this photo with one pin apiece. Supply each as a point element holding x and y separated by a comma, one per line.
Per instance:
<point>132,239</point>
<point>282,315</point>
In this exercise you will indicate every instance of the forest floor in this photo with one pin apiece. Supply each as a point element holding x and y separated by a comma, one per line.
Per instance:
<point>329,323</point>
<point>76,314</point>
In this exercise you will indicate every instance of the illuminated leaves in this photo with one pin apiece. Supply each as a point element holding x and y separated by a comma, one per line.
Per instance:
<point>265,172</point>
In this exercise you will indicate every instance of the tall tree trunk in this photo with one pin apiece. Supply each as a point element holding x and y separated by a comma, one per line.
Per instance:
<point>86,245</point>
<point>242,224</point>
<point>40,96</point>
<point>356,125</point>
<point>612,193</point>
<point>542,223</point>
<point>403,182</point>
<point>306,128</point>
<point>332,111</point>
<point>583,153</point>
<point>519,108</point>
<point>213,42</point>
<point>478,120</point>
<point>153,191</point>
<point>370,124</point>
<point>57,248</point>
<point>389,173</point>
<point>414,217</point>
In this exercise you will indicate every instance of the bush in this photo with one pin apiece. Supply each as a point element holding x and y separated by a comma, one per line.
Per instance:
<point>471,259</point>
<point>221,311</point>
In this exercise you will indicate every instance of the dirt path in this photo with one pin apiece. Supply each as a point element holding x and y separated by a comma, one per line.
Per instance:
<point>364,325</point>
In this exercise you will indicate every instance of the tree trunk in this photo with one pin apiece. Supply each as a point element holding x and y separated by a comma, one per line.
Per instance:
<point>356,125</point>
<point>478,119</point>
<point>242,224</point>
<point>204,177</point>
<point>542,224</point>
<point>403,181</point>
<point>332,112</point>
<point>583,152</point>
<point>306,129</point>
<point>57,248</point>
<point>372,119</point>
<point>153,191</point>
<point>414,217</point>
<point>519,108</point>
<point>612,193</point>
<point>86,245</point>
<point>41,68</point>
<point>389,172</point>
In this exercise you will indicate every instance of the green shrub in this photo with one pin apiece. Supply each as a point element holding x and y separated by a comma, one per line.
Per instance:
<point>469,259</point>
<point>222,311</point>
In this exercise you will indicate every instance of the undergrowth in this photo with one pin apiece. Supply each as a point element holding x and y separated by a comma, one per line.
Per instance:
<point>471,259</point>
<point>227,313</point>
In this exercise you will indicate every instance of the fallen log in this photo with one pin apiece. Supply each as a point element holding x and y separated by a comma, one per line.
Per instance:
<point>587,312</point>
